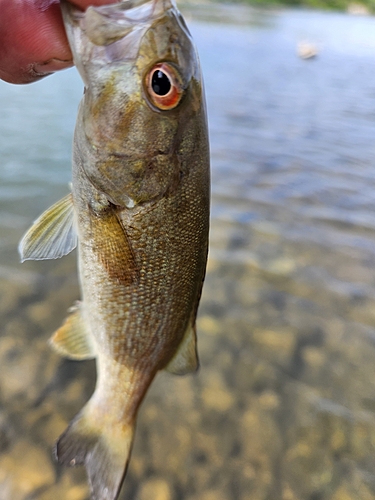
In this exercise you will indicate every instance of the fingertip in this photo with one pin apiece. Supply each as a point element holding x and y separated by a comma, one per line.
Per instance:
<point>33,42</point>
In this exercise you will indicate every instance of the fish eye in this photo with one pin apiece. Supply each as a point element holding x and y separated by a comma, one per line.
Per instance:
<point>160,83</point>
<point>164,86</point>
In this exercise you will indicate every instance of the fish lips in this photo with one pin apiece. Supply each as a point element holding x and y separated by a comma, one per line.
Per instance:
<point>98,35</point>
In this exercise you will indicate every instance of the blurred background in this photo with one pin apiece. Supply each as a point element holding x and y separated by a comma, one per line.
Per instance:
<point>283,407</point>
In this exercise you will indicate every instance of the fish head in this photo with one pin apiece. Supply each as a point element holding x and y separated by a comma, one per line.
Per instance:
<point>143,95</point>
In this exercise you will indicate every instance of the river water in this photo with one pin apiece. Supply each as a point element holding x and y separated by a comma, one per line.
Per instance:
<point>283,407</point>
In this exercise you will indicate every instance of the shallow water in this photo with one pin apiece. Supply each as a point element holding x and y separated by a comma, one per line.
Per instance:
<point>284,404</point>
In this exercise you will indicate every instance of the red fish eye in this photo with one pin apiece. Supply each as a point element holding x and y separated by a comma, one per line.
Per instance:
<point>163,86</point>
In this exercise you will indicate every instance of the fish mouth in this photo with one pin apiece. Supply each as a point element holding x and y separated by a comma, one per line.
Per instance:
<point>109,34</point>
<point>107,24</point>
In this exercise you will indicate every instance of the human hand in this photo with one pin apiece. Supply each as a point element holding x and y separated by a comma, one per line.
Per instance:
<point>33,43</point>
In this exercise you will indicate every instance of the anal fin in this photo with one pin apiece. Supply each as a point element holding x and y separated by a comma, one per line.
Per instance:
<point>73,339</point>
<point>186,358</point>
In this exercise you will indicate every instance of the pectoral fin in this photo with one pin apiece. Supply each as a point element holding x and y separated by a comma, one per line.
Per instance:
<point>73,339</point>
<point>186,358</point>
<point>114,250</point>
<point>52,235</point>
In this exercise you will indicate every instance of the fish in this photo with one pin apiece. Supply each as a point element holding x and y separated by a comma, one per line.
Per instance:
<point>138,212</point>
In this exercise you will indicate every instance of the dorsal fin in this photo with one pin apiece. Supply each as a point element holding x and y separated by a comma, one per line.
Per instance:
<point>186,358</point>
<point>52,235</point>
<point>73,339</point>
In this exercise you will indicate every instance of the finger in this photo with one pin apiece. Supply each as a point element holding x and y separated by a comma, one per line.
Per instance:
<point>32,40</point>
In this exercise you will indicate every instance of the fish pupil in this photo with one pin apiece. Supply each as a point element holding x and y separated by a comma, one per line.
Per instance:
<point>160,83</point>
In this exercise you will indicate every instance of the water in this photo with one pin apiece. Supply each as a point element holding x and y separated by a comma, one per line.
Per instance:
<point>283,407</point>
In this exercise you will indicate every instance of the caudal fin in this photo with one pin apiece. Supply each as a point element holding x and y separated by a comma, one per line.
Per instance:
<point>103,450</point>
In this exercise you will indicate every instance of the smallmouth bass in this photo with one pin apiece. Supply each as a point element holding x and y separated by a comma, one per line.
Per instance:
<point>139,213</point>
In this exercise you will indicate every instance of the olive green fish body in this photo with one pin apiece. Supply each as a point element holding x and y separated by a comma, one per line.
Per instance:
<point>148,262</point>
<point>139,210</point>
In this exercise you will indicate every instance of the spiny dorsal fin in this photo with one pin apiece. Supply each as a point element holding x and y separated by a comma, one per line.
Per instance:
<point>186,358</point>
<point>52,235</point>
<point>73,339</point>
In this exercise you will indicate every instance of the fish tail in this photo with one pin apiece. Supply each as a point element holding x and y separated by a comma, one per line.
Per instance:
<point>104,453</point>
